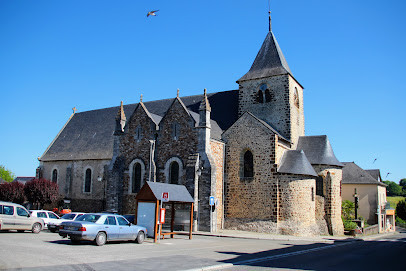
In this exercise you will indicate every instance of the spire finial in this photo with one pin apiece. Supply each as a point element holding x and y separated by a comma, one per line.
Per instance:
<point>141,99</point>
<point>74,110</point>
<point>205,92</point>
<point>177,93</point>
<point>270,25</point>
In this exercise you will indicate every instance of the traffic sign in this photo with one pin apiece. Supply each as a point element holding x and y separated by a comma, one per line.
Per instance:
<point>211,201</point>
<point>165,196</point>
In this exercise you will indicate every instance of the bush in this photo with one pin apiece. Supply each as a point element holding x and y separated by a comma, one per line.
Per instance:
<point>12,192</point>
<point>41,191</point>
<point>400,222</point>
<point>349,225</point>
<point>401,209</point>
<point>348,210</point>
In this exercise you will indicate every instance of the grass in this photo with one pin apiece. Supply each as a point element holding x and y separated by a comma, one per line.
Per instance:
<point>394,201</point>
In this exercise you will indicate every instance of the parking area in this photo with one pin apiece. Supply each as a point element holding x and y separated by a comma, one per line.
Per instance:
<point>46,251</point>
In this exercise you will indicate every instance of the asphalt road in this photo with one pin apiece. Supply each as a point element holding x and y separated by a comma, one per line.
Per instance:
<point>47,251</point>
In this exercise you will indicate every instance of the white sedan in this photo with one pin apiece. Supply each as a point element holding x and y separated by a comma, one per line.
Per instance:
<point>46,216</point>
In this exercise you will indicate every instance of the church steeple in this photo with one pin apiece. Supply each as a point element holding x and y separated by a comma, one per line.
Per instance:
<point>120,120</point>
<point>270,60</point>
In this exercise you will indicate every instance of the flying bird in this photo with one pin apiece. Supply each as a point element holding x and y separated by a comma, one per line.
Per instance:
<point>374,160</point>
<point>387,175</point>
<point>152,13</point>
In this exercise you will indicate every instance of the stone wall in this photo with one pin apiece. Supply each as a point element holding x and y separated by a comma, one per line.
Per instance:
<point>297,196</point>
<point>281,112</point>
<point>217,152</point>
<point>71,178</point>
<point>332,177</point>
<point>250,198</point>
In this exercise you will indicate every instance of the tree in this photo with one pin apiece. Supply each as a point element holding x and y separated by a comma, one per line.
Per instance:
<point>13,192</point>
<point>401,209</point>
<point>41,191</point>
<point>393,189</point>
<point>6,174</point>
<point>348,209</point>
<point>402,183</point>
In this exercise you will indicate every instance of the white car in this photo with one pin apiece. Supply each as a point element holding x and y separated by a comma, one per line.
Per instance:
<point>46,216</point>
<point>15,217</point>
<point>53,226</point>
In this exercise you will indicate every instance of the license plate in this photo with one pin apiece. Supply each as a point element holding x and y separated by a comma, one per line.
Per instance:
<point>69,228</point>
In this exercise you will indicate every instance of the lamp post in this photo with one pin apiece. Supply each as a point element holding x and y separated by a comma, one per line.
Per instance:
<point>356,203</point>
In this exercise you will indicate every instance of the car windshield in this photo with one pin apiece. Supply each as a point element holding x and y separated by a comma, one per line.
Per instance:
<point>89,218</point>
<point>68,216</point>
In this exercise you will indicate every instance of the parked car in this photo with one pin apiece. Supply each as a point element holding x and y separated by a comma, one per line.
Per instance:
<point>47,216</point>
<point>100,228</point>
<point>53,226</point>
<point>15,217</point>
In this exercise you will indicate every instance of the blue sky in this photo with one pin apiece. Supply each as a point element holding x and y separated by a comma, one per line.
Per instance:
<point>349,56</point>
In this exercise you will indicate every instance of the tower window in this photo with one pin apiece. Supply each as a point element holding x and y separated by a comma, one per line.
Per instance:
<point>319,186</point>
<point>136,178</point>
<point>248,165</point>
<point>88,180</point>
<point>260,97</point>
<point>55,176</point>
<point>174,173</point>
<point>268,96</point>
<point>296,98</point>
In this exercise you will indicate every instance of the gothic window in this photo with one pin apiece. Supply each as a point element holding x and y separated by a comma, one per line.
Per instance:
<point>248,165</point>
<point>136,178</point>
<point>174,173</point>
<point>138,133</point>
<point>319,186</point>
<point>88,180</point>
<point>55,176</point>
<point>175,130</point>
<point>296,98</point>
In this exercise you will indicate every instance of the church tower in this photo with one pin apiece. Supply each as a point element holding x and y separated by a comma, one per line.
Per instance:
<point>270,92</point>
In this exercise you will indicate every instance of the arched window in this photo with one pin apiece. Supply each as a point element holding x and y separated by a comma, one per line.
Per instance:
<point>296,98</point>
<point>55,176</point>
<point>260,97</point>
<point>248,165</point>
<point>138,133</point>
<point>136,178</point>
<point>174,173</point>
<point>268,96</point>
<point>88,180</point>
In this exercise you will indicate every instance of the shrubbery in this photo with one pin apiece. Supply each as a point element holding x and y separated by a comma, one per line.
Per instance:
<point>401,210</point>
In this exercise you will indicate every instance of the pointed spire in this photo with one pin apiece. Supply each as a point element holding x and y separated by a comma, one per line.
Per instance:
<point>141,99</point>
<point>270,24</point>
<point>177,93</point>
<point>204,104</point>
<point>120,113</point>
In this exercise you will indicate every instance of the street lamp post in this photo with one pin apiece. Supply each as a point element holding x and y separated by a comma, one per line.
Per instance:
<point>356,203</point>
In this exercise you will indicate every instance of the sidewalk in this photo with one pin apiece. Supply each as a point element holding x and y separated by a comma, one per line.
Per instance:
<point>267,236</point>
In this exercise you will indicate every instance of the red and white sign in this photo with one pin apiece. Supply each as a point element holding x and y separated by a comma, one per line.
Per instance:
<point>162,216</point>
<point>165,196</point>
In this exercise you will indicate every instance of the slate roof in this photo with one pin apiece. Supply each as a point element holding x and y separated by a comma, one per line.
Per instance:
<point>270,61</point>
<point>295,162</point>
<point>353,174</point>
<point>177,193</point>
<point>23,180</point>
<point>89,134</point>
<point>318,150</point>
<point>375,173</point>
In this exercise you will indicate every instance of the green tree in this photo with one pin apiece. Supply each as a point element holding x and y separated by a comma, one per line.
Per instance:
<point>402,183</point>
<point>401,209</point>
<point>6,174</point>
<point>348,210</point>
<point>393,189</point>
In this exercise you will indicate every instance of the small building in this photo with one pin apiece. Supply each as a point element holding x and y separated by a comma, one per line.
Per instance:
<point>371,191</point>
<point>23,180</point>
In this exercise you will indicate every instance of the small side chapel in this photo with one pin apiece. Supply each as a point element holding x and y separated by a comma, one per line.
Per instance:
<point>246,147</point>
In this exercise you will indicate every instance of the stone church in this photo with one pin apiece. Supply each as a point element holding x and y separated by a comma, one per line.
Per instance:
<point>246,147</point>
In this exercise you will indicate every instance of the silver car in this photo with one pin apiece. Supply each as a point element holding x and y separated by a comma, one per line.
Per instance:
<point>15,217</point>
<point>100,228</point>
<point>53,226</point>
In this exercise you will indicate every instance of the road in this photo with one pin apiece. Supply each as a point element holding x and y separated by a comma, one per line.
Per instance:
<point>47,251</point>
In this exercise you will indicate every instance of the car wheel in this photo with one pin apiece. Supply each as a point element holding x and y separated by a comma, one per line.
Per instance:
<point>101,239</point>
<point>140,237</point>
<point>36,228</point>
